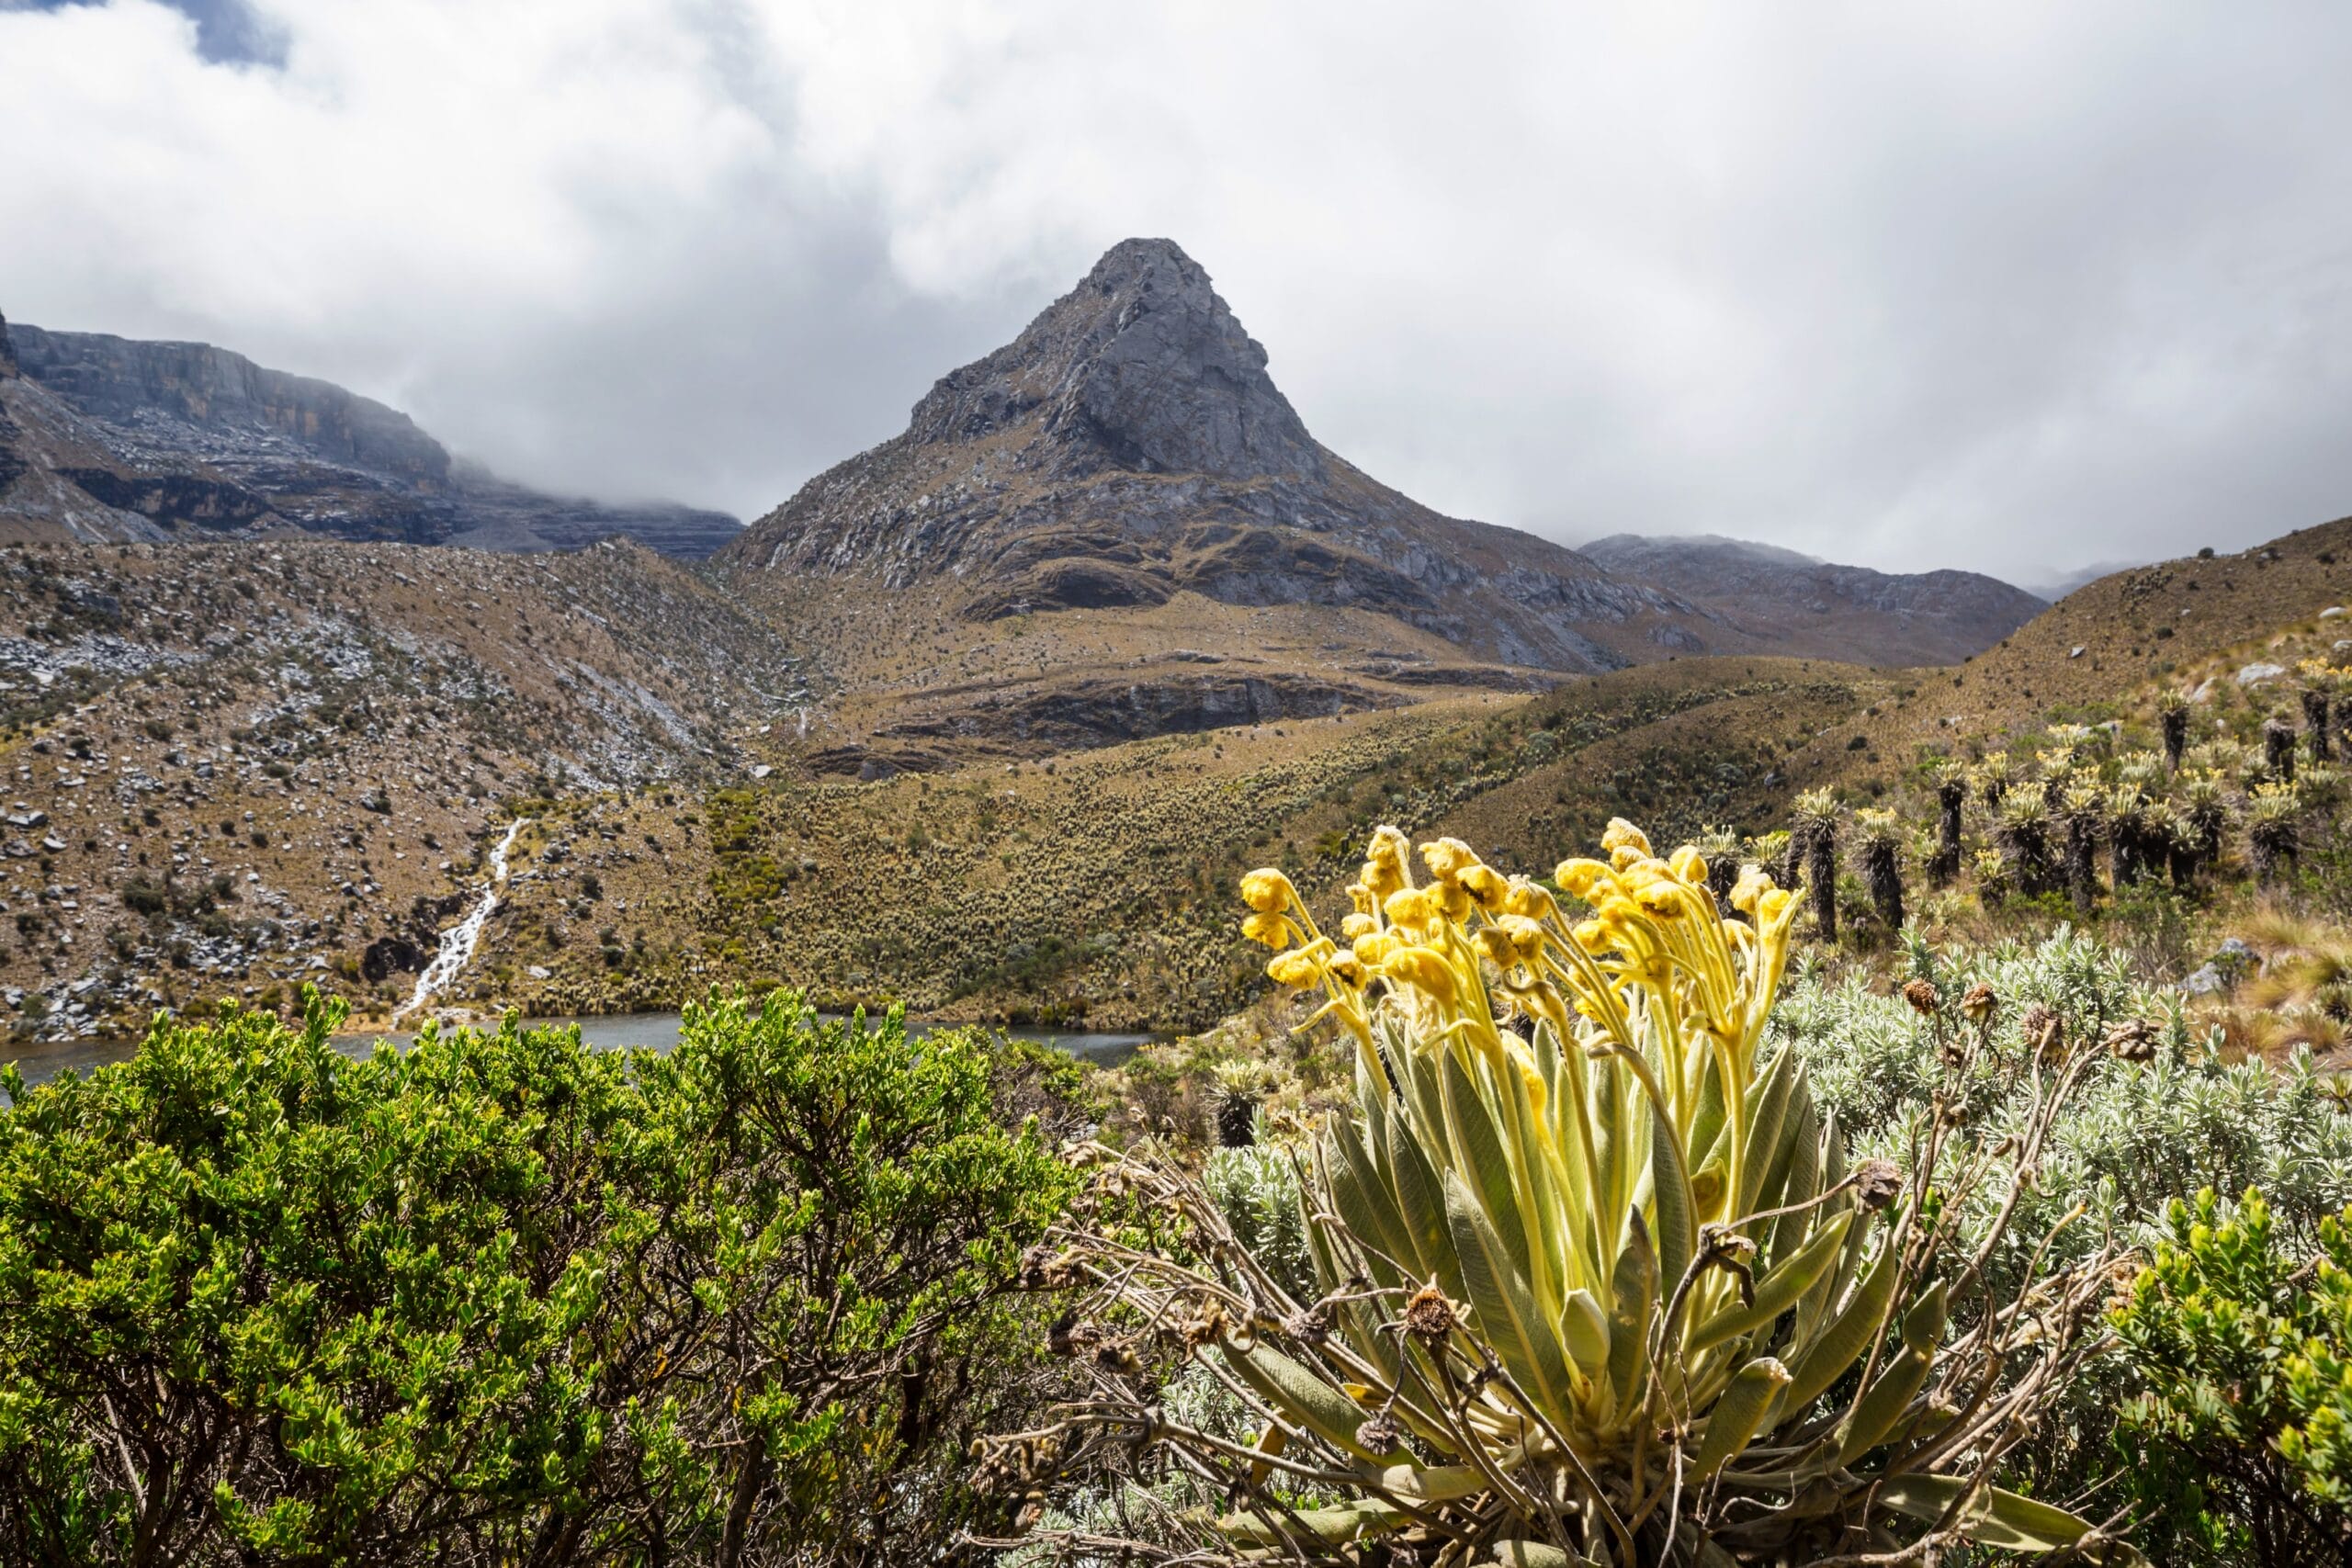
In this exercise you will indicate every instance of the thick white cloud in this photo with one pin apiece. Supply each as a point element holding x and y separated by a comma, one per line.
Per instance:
<point>2004,284</point>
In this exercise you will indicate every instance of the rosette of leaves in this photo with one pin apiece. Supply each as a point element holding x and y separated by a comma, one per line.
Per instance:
<point>1994,775</point>
<point>2133,844</point>
<point>1818,813</point>
<point>1240,1091</point>
<point>1951,794</point>
<point>2273,830</point>
<point>2023,831</point>
<point>2172,720</point>
<point>1878,851</point>
<point>1594,1283</point>
<point>2205,820</point>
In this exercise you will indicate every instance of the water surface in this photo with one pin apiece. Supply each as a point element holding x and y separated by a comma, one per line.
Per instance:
<point>40,1062</point>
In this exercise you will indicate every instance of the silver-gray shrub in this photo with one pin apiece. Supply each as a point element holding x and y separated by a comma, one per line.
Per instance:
<point>1256,1189</point>
<point>2136,1135</point>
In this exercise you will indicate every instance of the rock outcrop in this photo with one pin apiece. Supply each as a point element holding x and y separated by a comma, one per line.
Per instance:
<point>110,437</point>
<point>1795,604</point>
<point>1128,447</point>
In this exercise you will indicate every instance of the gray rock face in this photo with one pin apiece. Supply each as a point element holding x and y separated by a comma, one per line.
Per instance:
<point>206,388</point>
<point>1140,367</point>
<point>115,439</point>
<point>1130,445</point>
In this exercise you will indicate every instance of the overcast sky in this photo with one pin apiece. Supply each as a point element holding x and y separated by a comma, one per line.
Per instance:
<point>2016,287</point>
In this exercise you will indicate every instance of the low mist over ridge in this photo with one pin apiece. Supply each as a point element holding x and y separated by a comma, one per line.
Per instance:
<point>103,437</point>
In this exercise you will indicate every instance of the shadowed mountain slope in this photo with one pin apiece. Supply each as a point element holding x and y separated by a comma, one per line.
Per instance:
<point>1795,604</point>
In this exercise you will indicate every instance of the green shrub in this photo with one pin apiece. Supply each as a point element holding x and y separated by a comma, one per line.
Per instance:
<point>2247,1348</point>
<point>499,1297</point>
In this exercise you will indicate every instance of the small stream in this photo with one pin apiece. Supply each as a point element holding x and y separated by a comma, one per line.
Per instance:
<point>459,942</point>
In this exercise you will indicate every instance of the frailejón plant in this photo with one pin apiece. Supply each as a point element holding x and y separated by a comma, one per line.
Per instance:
<point>1594,1281</point>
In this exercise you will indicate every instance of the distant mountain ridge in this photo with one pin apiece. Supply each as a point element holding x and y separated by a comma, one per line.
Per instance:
<point>104,438</point>
<point>1129,446</point>
<point>1797,604</point>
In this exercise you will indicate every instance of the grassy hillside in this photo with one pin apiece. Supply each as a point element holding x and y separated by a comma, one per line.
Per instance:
<point>1098,886</point>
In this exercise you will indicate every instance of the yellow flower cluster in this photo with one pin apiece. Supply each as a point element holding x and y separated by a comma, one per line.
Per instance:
<point>1652,969</point>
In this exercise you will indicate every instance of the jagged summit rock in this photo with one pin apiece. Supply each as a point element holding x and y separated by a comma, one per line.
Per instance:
<point>106,437</point>
<point>1141,367</point>
<point>1129,446</point>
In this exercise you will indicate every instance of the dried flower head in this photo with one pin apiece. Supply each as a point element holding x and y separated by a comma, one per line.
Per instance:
<point>1429,1316</point>
<point>1980,1003</point>
<point>2045,1030</point>
<point>1923,997</point>
<point>1379,1433</point>
<point>1311,1325</point>
<point>1877,1183</point>
<point>1069,1336</point>
<point>2133,1040</point>
<point>1208,1326</point>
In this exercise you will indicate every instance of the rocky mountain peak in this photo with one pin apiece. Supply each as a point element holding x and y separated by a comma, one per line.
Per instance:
<point>7,353</point>
<point>1142,367</point>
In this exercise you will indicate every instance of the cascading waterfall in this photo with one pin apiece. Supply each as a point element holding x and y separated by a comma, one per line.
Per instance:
<point>458,942</point>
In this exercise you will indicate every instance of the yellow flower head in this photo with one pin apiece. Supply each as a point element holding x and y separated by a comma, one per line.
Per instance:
<point>1423,968</point>
<point>1689,864</point>
<point>1272,929</point>
<point>1529,898</point>
<point>1517,935</point>
<point>1619,910</point>
<point>1349,971</point>
<point>1773,906</point>
<point>1268,891</point>
<point>1448,858</point>
<point>1410,907</point>
<point>1303,967</point>
<point>1450,900</point>
<point>1372,950</point>
<point>1623,835</point>
<point>1384,863</point>
<point>1663,898</point>
<point>1361,897</point>
<point>1488,887</point>
<point>1354,925</point>
<point>1752,885</point>
<point>1578,878</point>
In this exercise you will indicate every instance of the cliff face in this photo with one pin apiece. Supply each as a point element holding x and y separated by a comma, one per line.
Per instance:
<point>165,440</point>
<point>1130,445</point>
<point>1794,604</point>
<point>203,389</point>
